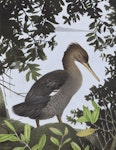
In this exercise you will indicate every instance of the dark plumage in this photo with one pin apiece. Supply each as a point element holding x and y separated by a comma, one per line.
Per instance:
<point>39,94</point>
<point>39,103</point>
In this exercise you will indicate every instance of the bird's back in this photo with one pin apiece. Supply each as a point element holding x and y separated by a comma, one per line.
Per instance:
<point>39,95</point>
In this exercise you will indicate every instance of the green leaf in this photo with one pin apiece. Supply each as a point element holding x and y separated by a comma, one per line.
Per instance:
<point>66,131</point>
<point>35,75</point>
<point>28,75</point>
<point>10,126</point>
<point>56,131</point>
<point>95,115</point>
<point>8,137</point>
<point>27,132</point>
<point>87,147</point>
<point>42,142</point>
<point>66,141</point>
<point>32,66</point>
<point>22,137</point>
<point>55,141</point>
<point>82,119</point>
<point>75,146</point>
<point>13,139</point>
<point>94,104</point>
<point>86,132</point>
<point>41,53</point>
<point>18,148</point>
<point>87,113</point>
<point>35,147</point>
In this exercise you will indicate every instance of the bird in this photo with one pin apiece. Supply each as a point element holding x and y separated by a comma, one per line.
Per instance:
<point>50,94</point>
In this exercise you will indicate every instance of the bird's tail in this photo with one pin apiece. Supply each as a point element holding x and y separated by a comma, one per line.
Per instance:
<point>28,110</point>
<point>21,109</point>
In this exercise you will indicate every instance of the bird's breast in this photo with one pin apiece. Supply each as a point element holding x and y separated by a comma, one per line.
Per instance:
<point>59,101</point>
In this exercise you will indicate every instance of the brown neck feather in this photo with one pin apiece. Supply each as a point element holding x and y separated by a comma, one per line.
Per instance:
<point>69,64</point>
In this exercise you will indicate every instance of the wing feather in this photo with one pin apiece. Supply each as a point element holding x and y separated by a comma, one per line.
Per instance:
<point>47,84</point>
<point>39,94</point>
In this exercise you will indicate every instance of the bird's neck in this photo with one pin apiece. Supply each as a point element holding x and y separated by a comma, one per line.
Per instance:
<point>70,66</point>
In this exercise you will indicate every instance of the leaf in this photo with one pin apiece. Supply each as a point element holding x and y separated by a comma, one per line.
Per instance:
<point>42,142</point>
<point>75,146</point>
<point>13,139</point>
<point>55,141</point>
<point>26,18</point>
<point>100,40</point>
<point>56,131</point>
<point>41,53</point>
<point>27,132</point>
<point>66,131</point>
<point>95,115</point>
<point>3,49</point>
<point>28,75</point>
<point>87,114</point>
<point>35,75</point>
<point>48,27</point>
<point>87,147</point>
<point>94,104</point>
<point>92,25</point>
<point>66,141</point>
<point>8,137</point>
<point>82,119</point>
<point>18,148</point>
<point>86,132</point>
<point>29,45</point>
<point>104,29</point>
<point>35,18</point>
<point>61,2</point>
<point>10,126</point>
<point>90,38</point>
<point>35,147</point>
<point>92,43</point>
<point>90,34</point>
<point>22,137</point>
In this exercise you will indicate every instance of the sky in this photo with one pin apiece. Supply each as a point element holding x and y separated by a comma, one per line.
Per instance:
<point>54,62</point>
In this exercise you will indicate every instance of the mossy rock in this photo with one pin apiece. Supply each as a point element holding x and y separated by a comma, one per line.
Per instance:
<point>36,134</point>
<point>46,130</point>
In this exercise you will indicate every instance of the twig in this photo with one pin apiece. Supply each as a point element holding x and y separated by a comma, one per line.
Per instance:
<point>20,94</point>
<point>7,82</point>
<point>8,76</point>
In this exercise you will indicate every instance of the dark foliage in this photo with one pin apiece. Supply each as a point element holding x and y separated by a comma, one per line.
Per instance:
<point>106,98</point>
<point>24,31</point>
<point>27,27</point>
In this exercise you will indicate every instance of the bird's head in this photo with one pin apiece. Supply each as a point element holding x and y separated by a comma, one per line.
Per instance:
<point>79,54</point>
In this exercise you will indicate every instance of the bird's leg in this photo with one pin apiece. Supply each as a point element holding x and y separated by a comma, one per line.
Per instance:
<point>59,119</point>
<point>37,123</point>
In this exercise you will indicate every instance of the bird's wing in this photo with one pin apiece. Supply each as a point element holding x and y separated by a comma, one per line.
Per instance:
<point>46,85</point>
<point>28,109</point>
<point>39,95</point>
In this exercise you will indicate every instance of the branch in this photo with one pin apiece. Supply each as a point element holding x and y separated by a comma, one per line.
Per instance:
<point>20,94</point>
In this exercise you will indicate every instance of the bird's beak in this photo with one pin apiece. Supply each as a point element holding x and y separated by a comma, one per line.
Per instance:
<point>92,72</point>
